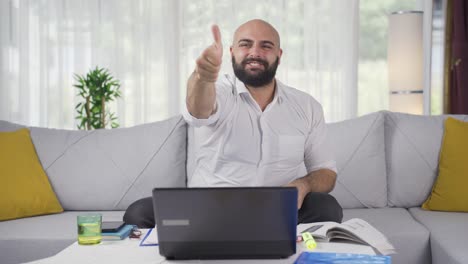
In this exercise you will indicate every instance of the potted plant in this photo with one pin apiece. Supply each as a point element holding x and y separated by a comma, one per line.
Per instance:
<point>96,89</point>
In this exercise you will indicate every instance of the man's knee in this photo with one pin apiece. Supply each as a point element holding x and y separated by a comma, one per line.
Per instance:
<point>320,207</point>
<point>140,213</point>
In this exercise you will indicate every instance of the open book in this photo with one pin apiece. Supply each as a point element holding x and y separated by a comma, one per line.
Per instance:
<point>354,230</point>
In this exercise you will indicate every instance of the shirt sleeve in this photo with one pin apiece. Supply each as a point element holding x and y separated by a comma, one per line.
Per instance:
<point>222,89</point>
<point>318,153</point>
<point>199,122</point>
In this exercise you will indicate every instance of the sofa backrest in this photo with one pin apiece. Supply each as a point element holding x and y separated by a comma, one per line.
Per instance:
<point>358,145</point>
<point>383,158</point>
<point>412,146</point>
<point>109,169</point>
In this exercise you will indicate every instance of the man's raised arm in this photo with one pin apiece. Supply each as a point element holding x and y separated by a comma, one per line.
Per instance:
<point>201,92</point>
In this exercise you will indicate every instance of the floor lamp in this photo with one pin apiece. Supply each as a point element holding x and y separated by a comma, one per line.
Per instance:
<point>405,62</point>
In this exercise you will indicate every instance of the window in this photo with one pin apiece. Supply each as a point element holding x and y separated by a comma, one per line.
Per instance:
<point>373,87</point>
<point>334,50</point>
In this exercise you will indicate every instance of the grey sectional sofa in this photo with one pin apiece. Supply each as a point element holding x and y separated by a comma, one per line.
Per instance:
<point>387,164</point>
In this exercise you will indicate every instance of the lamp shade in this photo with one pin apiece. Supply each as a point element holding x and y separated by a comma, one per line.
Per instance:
<point>405,61</point>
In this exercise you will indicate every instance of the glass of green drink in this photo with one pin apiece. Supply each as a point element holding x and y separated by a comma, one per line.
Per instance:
<point>89,229</point>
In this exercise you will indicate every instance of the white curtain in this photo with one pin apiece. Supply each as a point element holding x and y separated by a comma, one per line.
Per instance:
<point>151,46</point>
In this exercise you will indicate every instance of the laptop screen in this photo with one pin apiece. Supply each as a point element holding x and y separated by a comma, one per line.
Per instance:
<point>238,216</point>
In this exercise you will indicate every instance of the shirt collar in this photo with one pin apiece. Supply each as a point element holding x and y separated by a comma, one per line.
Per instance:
<point>278,96</point>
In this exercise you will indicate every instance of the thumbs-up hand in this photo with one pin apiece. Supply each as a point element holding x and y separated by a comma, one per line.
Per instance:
<point>209,62</point>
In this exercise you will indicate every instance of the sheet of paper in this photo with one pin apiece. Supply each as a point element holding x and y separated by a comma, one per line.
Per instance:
<point>150,238</point>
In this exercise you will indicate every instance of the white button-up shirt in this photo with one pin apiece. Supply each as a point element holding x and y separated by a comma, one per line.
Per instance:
<point>239,145</point>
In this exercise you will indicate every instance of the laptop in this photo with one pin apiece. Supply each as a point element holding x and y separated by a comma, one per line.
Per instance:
<point>226,223</point>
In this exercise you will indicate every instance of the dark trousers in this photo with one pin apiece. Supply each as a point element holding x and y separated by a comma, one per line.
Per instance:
<point>317,207</point>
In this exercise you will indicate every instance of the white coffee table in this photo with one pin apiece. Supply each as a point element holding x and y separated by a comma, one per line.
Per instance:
<point>129,251</point>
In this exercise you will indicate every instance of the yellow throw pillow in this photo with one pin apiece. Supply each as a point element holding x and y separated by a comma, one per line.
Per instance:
<point>26,190</point>
<point>450,191</point>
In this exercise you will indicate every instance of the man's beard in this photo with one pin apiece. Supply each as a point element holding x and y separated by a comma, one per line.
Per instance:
<point>257,79</point>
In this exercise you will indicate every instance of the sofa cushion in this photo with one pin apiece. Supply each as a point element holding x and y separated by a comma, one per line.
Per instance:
<point>410,238</point>
<point>449,234</point>
<point>449,191</point>
<point>412,145</point>
<point>110,169</point>
<point>38,237</point>
<point>358,145</point>
<point>27,190</point>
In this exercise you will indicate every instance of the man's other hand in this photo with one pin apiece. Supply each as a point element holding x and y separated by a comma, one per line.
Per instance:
<point>322,180</point>
<point>302,190</point>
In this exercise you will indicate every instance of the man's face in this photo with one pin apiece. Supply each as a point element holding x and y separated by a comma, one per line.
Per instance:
<point>255,54</point>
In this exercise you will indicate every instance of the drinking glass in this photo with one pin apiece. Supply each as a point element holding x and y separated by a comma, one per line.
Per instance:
<point>89,229</point>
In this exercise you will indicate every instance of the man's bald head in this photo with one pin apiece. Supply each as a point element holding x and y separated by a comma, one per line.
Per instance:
<point>257,26</point>
<point>256,53</point>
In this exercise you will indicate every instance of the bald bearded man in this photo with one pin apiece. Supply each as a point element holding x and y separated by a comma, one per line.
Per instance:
<point>254,130</point>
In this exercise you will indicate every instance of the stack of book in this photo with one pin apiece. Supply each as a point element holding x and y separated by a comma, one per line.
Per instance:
<point>121,233</point>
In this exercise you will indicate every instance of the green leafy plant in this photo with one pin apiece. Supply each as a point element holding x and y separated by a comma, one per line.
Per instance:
<point>97,88</point>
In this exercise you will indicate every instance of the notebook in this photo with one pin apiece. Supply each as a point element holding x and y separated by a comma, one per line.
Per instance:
<point>226,223</point>
<point>120,234</point>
